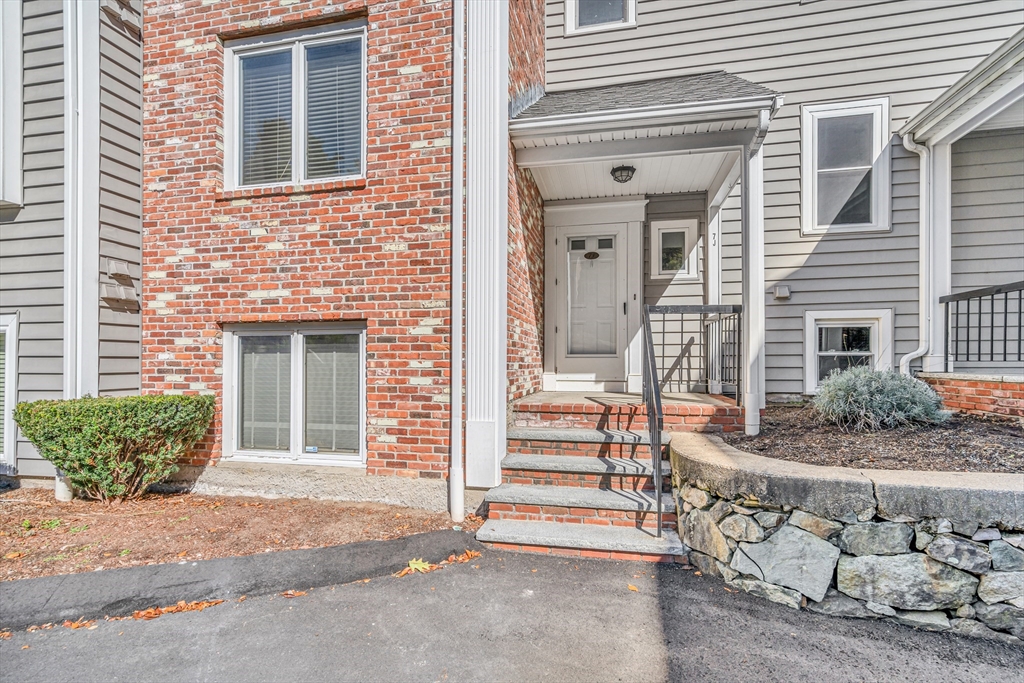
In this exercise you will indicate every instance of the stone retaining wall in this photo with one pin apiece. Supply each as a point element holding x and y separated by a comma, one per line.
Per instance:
<point>1000,395</point>
<point>935,550</point>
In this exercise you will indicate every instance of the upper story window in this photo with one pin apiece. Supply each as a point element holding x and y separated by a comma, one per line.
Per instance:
<point>10,104</point>
<point>845,166</point>
<point>585,16</point>
<point>295,106</point>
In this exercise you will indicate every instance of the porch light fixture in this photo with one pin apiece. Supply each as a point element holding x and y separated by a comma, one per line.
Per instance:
<point>623,174</point>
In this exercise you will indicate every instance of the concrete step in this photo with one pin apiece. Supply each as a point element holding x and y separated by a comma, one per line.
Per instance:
<point>578,497</point>
<point>617,436</point>
<point>583,465</point>
<point>613,539</point>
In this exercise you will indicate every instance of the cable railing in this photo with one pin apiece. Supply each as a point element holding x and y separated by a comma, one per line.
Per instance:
<point>985,325</point>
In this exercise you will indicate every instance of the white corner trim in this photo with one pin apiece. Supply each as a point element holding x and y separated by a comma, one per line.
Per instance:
<point>881,190</point>
<point>11,100</point>
<point>571,13</point>
<point>880,321</point>
<point>9,326</point>
<point>690,227</point>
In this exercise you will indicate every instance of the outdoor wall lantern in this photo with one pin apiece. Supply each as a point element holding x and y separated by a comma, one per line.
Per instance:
<point>623,174</point>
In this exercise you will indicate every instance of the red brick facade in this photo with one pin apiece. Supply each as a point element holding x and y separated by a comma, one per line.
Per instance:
<point>525,210</point>
<point>374,250</point>
<point>979,395</point>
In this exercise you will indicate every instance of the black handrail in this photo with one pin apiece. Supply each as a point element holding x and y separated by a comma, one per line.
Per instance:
<point>958,325</point>
<point>655,416</point>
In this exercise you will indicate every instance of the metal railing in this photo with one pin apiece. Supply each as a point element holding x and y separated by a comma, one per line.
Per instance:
<point>984,325</point>
<point>720,333</point>
<point>716,332</point>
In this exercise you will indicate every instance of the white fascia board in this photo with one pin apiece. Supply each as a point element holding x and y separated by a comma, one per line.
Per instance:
<point>744,107</point>
<point>982,111</point>
<point>974,81</point>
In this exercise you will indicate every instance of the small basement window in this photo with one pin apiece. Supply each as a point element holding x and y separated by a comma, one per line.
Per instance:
<point>840,340</point>
<point>590,16</point>
<point>297,394</point>
<point>674,250</point>
<point>845,166</point>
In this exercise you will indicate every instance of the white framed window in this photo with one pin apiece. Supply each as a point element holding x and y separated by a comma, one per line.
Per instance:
<point>845,166</point>
<point>11,101</point>
<point>8,390</point>
<point>592,16</point>
<point>295,393</point>
<point>839,340</point>
<point>295,107</point>
<point>674,250</point>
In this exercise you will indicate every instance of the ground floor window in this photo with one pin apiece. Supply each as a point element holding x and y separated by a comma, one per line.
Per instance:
<point>839,340</point>
<point>296,393</point>
<point>8,388</point>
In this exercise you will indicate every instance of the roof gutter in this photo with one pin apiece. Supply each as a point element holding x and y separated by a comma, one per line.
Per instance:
<point>924,255</point>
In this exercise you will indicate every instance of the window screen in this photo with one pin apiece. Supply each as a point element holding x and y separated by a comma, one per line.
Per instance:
<point>266,118</point>
<point>332,371</point>
<point>597,12</point>
<point>844,159</point>
<point>265,411</point>
<point>334,75</point>
<point>841,348</point>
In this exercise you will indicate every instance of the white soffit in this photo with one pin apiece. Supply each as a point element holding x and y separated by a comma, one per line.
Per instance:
<point>716,126</point>
<point>654,175</point>
<point>1011,117</point>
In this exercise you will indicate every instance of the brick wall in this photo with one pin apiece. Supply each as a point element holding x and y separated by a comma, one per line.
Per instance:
<point>373,250</point>
<point>525,209</point>
<point>978,394</point>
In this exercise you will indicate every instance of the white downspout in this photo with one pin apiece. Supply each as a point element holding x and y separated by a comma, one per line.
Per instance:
<point>456,476</point>
<point>924,246</point>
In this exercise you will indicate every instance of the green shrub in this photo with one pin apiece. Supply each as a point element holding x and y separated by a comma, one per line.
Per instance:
<point>113,448</point>
<point>862,399</point>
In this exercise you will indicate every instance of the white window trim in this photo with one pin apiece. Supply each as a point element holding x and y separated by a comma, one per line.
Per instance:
<point>572,30</point>
<point>295,454</point>
<point>881,168</point>
<point>878,319</point>
<point>11,105</point>
<point>691,271</point>
<point>9,326</point>
<point>295,41</point>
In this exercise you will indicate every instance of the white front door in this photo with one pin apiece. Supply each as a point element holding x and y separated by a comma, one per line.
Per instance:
<point>590,327</point>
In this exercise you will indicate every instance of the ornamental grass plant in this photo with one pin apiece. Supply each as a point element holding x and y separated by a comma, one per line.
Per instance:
<point>861,399</point>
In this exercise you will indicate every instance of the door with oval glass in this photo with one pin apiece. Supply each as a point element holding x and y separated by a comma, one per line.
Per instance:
<point>590,332</point>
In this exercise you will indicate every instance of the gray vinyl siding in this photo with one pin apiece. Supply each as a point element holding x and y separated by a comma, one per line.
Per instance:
<point>120,220</point>
<point>32,238</point>
<point>988,229</point>
<point>680,362</point>
<point>909,51</point>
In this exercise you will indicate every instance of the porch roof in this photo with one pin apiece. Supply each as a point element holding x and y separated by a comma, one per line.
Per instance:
<point>713,87</point>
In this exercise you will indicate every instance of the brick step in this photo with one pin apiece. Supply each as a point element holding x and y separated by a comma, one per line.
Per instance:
<point>592,443</point>
<point>577,505</point>
<point>591,472</point>
<point>574,516</point>
<point>677,417</point>
<point>611,542</point>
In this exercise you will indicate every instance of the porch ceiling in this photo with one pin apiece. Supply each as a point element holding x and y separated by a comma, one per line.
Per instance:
<point>654,175</point>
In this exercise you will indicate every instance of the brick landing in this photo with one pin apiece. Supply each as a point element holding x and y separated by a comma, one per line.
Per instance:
<point>599,410</point>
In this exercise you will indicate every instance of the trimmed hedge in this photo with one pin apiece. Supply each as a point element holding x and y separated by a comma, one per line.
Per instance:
<point>113,448</point>
<point>861,399</point>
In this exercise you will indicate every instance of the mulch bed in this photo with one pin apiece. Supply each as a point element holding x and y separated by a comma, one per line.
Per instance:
<point>41,537</point>
<point>962,444</point>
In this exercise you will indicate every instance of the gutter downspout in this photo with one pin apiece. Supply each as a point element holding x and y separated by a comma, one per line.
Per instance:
<point>924,249</point>
<point>456,474</point>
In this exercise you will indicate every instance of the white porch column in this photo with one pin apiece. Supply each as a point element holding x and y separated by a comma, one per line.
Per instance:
<point>941,258</point>
<point>752,199</point>
<point>486,240</point>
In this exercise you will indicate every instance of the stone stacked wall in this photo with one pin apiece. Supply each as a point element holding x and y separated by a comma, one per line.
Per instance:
<point>932,573</point>
<point>979,394</point>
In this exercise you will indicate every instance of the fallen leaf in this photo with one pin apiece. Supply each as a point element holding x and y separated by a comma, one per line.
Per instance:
<point>183,553</point>
<point>242,599</point>
<point>632,587</point>
<point>81,623</point>
<point>533,571</point>
<point>697,573</point>
<point>293,594</point>
<point>5,635</point>
<point>24,647</point>
<point>421,566</point>
<point>13,556</point>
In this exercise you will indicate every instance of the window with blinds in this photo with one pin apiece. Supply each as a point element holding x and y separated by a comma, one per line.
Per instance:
<point>299,111</point>
<point>299,394</point>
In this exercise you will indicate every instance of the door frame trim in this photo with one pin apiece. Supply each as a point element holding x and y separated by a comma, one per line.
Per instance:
<point>630,211</point>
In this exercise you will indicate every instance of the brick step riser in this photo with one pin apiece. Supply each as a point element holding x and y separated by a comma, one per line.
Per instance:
<point>591,554</point>
<point>563,515</point>
<point>614,482</point>
<point>683,423</point>
<point>583,449</point>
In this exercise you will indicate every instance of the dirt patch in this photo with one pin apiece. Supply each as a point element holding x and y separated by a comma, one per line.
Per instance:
<point>41,537</point>
<point>962,444</point>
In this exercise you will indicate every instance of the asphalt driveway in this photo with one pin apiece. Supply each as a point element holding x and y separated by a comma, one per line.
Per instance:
<point>507,617</point>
